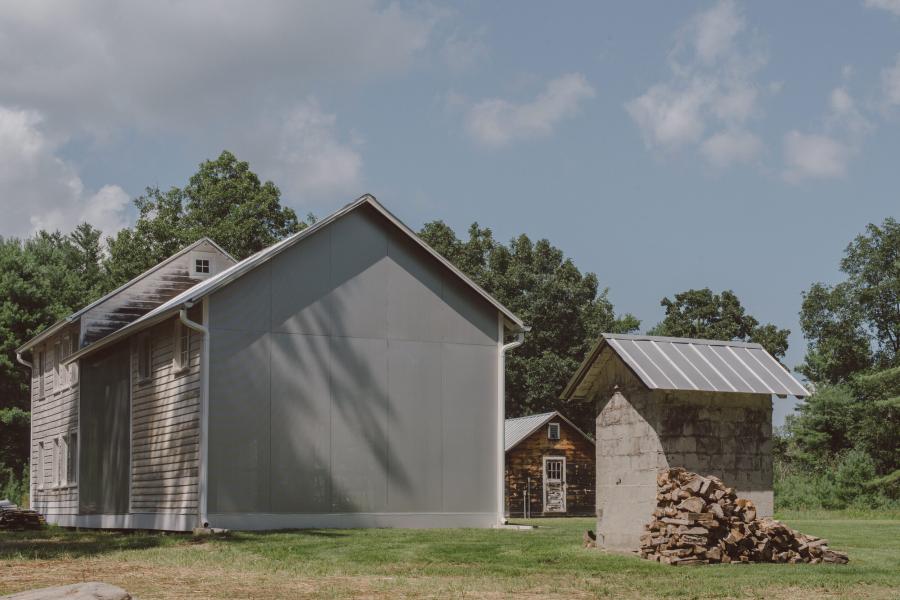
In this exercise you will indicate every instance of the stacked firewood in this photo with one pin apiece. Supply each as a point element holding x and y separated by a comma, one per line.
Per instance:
<point>14,518</point>
<point>700,520</point>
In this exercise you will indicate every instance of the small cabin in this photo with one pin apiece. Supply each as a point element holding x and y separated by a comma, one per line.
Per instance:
<point>704,405</point>
<point>549,467</point>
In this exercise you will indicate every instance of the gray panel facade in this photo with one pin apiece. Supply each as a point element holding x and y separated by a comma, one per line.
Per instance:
<point>353,381</point>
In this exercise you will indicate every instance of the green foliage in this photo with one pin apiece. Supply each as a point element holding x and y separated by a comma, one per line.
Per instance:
<point>855,325</point>
<point>566,309</point>
<point>705,315</point>
<point>224,201</point>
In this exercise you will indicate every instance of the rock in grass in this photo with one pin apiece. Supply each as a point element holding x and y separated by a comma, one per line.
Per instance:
<point>92,590</point>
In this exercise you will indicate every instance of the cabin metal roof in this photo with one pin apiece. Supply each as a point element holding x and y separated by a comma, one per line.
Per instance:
<point>196,293</point>
<point>517,429</point>
<point>80,312</point>
<point>664,363</point>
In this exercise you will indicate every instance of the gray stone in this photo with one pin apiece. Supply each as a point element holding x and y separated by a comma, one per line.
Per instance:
<point>91,590</point>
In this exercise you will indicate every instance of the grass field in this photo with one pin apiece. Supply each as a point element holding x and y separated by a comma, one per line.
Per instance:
<point>547,563</point>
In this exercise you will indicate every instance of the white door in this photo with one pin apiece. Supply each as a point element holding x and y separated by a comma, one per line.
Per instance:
<point>554,484</point>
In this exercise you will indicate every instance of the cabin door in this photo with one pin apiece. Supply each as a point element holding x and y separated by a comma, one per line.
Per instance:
<point>554,484</point>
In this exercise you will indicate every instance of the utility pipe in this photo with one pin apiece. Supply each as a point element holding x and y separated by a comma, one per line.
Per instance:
<point>204,366</point>
<point>501,415</point>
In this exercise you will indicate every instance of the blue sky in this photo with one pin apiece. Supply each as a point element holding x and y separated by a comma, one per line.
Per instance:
<point>662,145</point>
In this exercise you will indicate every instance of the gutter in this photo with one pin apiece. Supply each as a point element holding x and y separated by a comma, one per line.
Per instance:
<point>204,404</point>
<point>22,361</point>
<point>501,413</point>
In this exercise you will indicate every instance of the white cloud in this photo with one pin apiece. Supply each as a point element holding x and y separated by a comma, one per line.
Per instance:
<point>890,84</point>
<point>176,65</point>
<point>716,30</point>
<point>711,92</point>
<point>497,122</point>
<point>308,156</point>
<point>40,190</point>
<point>731,147</point>
<point>827,155</point>
<point>888,5</point>
<point>812,156</point>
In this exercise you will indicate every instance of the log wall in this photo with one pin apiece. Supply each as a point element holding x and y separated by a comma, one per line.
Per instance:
<point>526,461</point>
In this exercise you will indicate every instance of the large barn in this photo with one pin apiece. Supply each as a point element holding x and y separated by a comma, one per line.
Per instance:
<point>348,376</point>
<point>704,405</point>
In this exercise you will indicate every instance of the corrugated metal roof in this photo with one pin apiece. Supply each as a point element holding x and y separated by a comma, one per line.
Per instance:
<point>516,430</point>
<point>705,365</point>
<point>78,313</point>
<point>194,294</point>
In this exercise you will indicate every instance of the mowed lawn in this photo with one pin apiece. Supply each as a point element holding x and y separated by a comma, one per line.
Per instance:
<point>545,563</point>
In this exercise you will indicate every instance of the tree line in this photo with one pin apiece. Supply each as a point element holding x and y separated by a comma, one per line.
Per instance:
<point>852,358</point>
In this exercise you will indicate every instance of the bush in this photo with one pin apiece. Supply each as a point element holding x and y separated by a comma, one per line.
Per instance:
<point>12,488</point>
<point>850,483</point>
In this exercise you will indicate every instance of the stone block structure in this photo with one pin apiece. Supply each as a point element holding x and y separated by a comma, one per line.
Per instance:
<point>702,405</point>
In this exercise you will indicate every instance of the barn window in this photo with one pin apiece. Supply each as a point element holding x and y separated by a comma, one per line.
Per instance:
<point>553,431</point>
<point>145,357</point>
<point>72,458</point>
<point>182,346</point>
<point>73,367</point>
<point>54,462</point>
<point>40,466</point>
<point>41,377</point>
<point>201,265</point>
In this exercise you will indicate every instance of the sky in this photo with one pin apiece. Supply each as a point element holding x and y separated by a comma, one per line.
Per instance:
<point>664,146</point>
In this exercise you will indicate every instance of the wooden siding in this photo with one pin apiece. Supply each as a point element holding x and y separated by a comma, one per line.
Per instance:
<point>155,287</point>
<point>525,461</point>
<point>165,426</point>
<point>53,414</point>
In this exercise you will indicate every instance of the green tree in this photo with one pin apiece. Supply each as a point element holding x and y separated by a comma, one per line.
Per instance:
<point>224,200</point>
<point>566,309</point>
<point>855,325</point>
<point>42,279</point>
<point>706,315</point>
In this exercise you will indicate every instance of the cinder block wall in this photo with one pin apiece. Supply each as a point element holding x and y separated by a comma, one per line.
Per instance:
<point>641,431</point>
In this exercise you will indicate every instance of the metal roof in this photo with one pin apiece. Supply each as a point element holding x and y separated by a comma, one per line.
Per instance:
<point>196,293</point>
<point>517,429</point>
<point>78,313</point>
<point>703,365</point>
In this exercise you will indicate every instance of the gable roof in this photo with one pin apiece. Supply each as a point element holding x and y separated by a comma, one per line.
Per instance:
<point>516,430</point>
<point>78,313</point>
<point>666,363</point>
<point>193,295</point>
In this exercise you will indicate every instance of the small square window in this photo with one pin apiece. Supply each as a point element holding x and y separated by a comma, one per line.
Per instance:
<point>553,431</point>
<point>201,265</point>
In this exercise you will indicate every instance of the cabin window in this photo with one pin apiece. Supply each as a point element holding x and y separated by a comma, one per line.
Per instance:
<point>201,265</point>
<point>182,346</point>
<point>553,431</point>
<point>145,357</point>
<point>40,466</point>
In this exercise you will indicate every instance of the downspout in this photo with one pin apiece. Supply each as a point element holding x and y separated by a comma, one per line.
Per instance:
<point>24,362</point>
<point>501,413</point>
<point>204,366</point>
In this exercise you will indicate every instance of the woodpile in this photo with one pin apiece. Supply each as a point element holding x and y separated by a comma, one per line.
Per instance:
<point>700,520</point>
<point>14,518</point>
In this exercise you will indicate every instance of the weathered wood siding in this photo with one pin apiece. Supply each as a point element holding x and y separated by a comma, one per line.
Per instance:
<point>166,425</point>
<point>154,287</point>
<point>53,414</point>
<point>526,460</point>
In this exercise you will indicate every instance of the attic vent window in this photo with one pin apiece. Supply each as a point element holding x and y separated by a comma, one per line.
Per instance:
<point>201,265</point>
<point>553,431</point>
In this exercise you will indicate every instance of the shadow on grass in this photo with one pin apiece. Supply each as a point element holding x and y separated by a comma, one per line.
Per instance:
<point>55,543</point>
